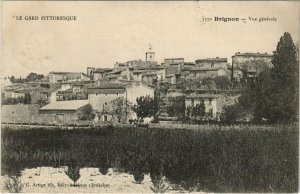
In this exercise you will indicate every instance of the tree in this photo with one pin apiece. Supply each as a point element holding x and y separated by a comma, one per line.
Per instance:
<point>284,97</point>
<point>87,113</point>
<point>27,98</point>
<point>188,111</point>
<point>276,90</point>
<point>273,93</point>
<point>138,176</point>
<point>230,113</point>
<point>12,79</point>
<point>201,109</point>
<point>73,173</point>
<point>42,102</point>
<point>198,110</point>
<point>177,107</point>
<point>34,76</point>
<point>145,107</point>
<point>222,82</point>
<point>120,108</point>
<point>209,83</point>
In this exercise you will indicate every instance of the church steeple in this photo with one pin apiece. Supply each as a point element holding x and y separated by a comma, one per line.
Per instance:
<point>150,55</point>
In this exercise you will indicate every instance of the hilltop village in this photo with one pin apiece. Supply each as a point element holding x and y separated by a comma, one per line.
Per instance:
<point>107,95</point>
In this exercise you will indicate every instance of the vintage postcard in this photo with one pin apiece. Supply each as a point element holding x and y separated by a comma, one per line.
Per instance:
<point>149,97</point>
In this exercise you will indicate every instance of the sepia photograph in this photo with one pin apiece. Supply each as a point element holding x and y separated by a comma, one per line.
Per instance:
<point>149,96</point>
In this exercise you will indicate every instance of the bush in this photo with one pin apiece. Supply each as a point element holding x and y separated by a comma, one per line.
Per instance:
<point>230,114</point>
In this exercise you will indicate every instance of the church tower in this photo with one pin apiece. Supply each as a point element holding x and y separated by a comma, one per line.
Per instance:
<point>150,55</point>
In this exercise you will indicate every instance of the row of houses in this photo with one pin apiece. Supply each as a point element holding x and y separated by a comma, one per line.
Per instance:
<point>66,94</point>
<point>174,69</point>
<point>70,111</point>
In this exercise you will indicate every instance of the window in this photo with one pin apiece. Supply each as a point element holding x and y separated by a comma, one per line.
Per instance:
<point>212,64</point>
<point>117,93</point>
<point>192,102</point>
<point>105,94</point>
<point>105,103</point>
<point>96,94</point>
<point>210,101</point>
<point>105,117</point>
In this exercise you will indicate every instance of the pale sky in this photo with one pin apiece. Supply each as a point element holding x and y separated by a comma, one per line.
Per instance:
<point>109,32</point>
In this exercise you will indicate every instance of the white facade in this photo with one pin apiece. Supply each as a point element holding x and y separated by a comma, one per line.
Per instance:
<point>210,102</point>
<point>137,89</point>
<point>65,86</point>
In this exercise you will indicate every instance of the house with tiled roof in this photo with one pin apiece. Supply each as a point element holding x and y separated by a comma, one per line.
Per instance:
<point>99,73</point>
<point>211,63</point>
<point>206,72</point>
<point>56,77</point>
<point>101,95</point>
<point>244,64</point>
<point>64,112</point>
<point>209,100</point>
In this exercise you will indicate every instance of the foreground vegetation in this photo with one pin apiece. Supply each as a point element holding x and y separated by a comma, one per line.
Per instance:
<point>212,160</point>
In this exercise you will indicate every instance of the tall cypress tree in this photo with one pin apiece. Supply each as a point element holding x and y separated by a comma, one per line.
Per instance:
<point>282,94</point>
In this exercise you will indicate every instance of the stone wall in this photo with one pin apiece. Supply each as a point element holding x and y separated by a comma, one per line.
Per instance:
<point>18,112</point>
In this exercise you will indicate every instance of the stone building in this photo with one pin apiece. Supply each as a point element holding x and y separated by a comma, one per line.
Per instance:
<point>173,65</point>
<point>211,63</point>
<point>173,78</point>
<point>100,73</point>
<point>209,100</point>
<point>244,64</point>
<point>150,55</point>
<point>101,96</point>
<point>90,71</point>
<point>149,78</point>
<point>137,89</point>
<point>64,112</point>
<point>137,75</point>
<point>159,70</point>
<point>202,73</point>
<point>55,77</point>
<point>9,90</point>
<point>19,113</point>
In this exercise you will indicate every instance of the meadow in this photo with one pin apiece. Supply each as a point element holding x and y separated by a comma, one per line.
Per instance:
<point>247,159</point>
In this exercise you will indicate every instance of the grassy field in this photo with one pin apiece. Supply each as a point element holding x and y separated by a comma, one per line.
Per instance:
<point>247,159</point>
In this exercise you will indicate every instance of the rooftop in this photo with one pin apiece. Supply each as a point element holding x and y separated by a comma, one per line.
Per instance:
<point>189,63</point>
<point>60,72</point>
<point>137,72</point>
<point>253,54</point>
<point>108,85</point>
<point>201,96</point>
<point>102,70</point>
<point>149,74</point>
<point>205,69</point>
<point>66,105</point>
<point>174,59</point>
<point>116,71</point>
<point>77,83</point>
<point>217,59</point>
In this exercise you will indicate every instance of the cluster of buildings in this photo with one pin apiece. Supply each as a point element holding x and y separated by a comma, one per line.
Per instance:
<point>67,95</point>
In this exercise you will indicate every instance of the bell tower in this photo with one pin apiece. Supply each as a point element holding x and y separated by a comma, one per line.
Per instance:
<point>150,55</point>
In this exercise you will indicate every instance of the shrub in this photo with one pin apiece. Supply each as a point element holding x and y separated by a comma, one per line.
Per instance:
<point>13,184</point>
<point>73,173</point>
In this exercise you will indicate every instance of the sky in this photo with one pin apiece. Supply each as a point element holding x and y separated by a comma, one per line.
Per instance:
<point>109,32</point>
